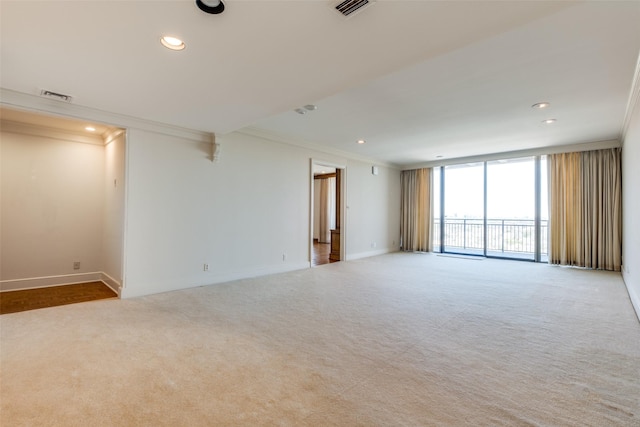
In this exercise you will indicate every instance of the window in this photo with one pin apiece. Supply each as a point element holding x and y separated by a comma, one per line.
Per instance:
<point>496,209</point>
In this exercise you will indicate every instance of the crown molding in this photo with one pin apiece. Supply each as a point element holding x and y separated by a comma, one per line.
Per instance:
<point>38,104</point>
<point>288,140</point>
<point>587,146</point>
<point>632,103</point>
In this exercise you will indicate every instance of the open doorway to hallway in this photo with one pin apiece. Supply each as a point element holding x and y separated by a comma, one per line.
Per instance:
<point>326,214</point>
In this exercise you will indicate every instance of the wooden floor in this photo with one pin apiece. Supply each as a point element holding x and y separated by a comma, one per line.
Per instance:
<point>321,253</point>
<point>32,299</point>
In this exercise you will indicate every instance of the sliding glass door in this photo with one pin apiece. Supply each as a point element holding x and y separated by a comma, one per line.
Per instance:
<point>464,209</point>
<point>511,210</point>
<point>495,208</point>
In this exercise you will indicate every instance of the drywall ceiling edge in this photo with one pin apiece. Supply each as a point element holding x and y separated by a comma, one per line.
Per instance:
<point>586,146</point>
<point>37,104</point>
<point>284,139</point>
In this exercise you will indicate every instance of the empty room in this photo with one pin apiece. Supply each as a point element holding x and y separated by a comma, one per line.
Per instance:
<point>316,213</point>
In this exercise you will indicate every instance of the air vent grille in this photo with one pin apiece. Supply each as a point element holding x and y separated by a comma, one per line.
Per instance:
<point>55,95</point>
<point>349,7</point>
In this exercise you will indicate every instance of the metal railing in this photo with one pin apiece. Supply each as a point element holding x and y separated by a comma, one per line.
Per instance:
<point>516,236</point>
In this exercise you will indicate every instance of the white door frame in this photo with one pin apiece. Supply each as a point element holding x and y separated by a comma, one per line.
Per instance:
<point>343,206</point>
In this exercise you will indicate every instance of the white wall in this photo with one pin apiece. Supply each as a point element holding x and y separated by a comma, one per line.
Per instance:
<point>51,209</point>
<point>631,208</point>
<point>239,215</point>
<point>373,210</point>
<point>113,213</point>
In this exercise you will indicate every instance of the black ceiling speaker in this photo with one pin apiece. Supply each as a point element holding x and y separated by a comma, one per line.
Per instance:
<point>211,6</point>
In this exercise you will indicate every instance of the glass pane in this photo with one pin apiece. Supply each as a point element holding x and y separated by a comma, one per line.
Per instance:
<point>436,208</point>
<point>464,209</point>
<point>511,208</point>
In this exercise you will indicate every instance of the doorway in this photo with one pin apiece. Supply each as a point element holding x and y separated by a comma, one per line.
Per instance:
<point>327,215</point>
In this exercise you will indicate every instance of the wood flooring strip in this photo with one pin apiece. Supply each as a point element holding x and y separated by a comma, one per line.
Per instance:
<point>32,299</point>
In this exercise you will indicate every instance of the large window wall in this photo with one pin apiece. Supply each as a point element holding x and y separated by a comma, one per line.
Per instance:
<point>496,209</point>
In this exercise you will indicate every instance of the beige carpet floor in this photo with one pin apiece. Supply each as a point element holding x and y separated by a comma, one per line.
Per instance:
<point>394,340</point>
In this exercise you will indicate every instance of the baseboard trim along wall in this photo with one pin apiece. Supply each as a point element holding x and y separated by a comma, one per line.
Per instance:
<point>131,291</point>
<point>115,285</point>
<point>635,298</point>
<point>65,279</point>
<point>370,253</point>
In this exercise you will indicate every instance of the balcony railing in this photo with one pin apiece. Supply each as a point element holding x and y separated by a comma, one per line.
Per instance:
<point>506,237</point>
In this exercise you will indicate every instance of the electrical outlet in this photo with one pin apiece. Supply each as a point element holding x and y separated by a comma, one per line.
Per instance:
<point>76,265</point>
<point>206,267</point>
<point>284,257</point>
<point>373,244</point>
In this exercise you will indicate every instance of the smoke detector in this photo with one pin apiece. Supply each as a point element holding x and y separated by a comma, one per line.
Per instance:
<point>55,95</point>
<point>349,8</point>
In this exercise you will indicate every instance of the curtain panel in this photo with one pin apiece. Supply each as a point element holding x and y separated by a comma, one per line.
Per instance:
<point>327,209</point>
<point>416,216</point>
<point>585,203</point>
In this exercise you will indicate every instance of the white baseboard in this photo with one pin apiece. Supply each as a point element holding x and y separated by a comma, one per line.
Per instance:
<point>130,290</point>
<point>49,281</point>
<point>368,254</point>
<point>633,296</point>
<point>115,285</point>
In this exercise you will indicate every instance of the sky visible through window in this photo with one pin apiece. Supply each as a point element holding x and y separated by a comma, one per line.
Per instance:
<point>510,190</point>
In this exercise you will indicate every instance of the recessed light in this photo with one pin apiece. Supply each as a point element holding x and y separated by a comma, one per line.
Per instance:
<point>549,121</point>
<point>172,43</point>
<point>90,129</point>
<point>211,6</point>
<point>310,107</point>
<point>361,141</point>
<point>541,105</point>
<point>300,111</point>
<point>438,157</point>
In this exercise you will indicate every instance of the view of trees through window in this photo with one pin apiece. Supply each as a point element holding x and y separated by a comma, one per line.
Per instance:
<point>490,208</point>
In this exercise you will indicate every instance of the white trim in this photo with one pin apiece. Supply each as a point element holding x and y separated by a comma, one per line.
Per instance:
<point>635,298</point>
<point>224,278</point>
<point>112,136</point>
<point>288,140</point>
<point>111,282</point>
<point>368,254</point>
<point>633,102</point>
<point>33,103</point>
<point>49,281</point>
<point>587,146</point>
<point>343,206</point>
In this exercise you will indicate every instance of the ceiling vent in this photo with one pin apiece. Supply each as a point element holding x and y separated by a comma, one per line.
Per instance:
<point>56,96</point>
<point>348,8</point>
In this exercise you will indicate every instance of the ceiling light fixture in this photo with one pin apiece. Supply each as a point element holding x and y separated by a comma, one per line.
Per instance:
<point>172,43</point>
<point>361,141</point>
<point>541,105</point>
<point>213,7</point>
<point>549,121</point>
<point>303,110</point>
<point>90,129</point>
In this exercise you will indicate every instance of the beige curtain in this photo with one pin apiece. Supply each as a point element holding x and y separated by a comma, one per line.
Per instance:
<point>415,210</point>
<point>325,212</point>
<point>585,203</point>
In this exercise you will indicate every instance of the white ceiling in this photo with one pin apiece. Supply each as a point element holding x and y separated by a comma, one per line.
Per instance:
<point>416,79</point>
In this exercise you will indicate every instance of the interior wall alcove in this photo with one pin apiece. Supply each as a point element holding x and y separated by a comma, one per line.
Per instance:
<point>62,201</point>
